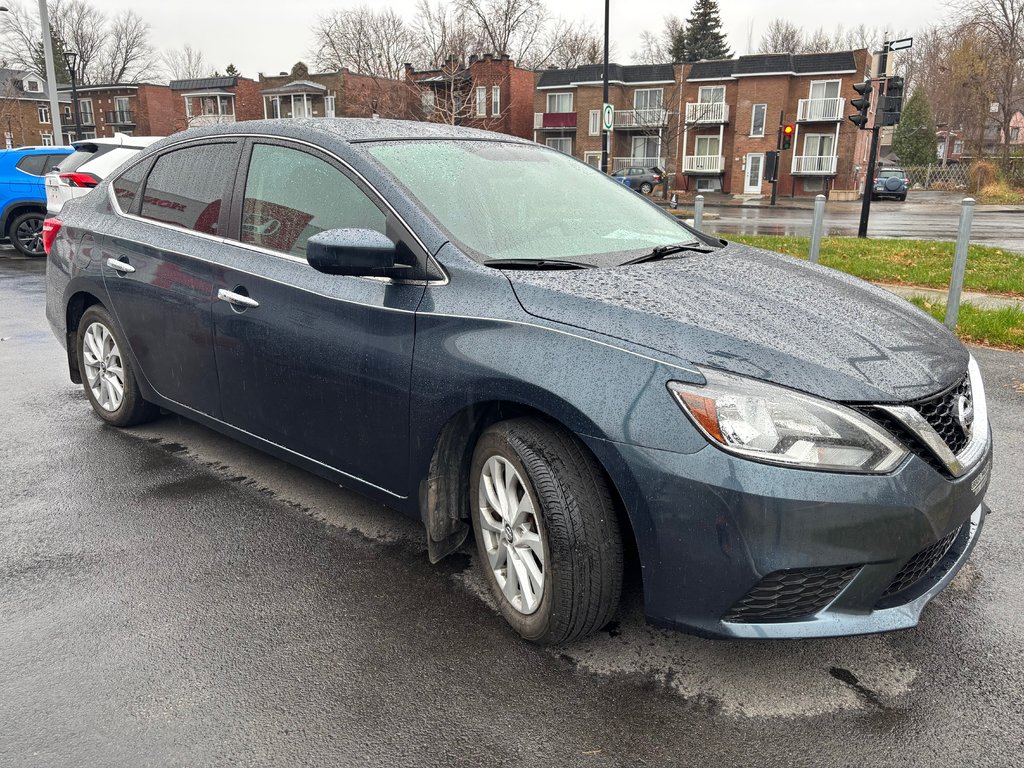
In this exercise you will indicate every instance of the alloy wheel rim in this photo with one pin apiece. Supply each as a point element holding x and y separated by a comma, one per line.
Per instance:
<point>30,234</point>
<point>104,370</point>
<point>512,534</point>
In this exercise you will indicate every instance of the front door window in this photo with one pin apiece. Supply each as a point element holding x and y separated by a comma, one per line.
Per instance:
<point>755,168</point>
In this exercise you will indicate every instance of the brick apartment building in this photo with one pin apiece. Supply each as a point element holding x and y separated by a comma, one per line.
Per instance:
<point>215,100</point>
<point>343,93</point>
<point>139,109</point>
<point>709,124</point>
<point>490,93</point>
<point>25,110</point>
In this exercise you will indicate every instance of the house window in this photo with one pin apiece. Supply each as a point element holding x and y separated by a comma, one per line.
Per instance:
<point>32,86</point>
<point>711,94</point>
<point>816,184</point>
<point>481,102</point>
<point>559,102</point>
<point>592,159</point>
<point>825,89</point>
<point>85,111</point>
<point>647,98</point>
<point>47,139</point>
<point>594,127</point>
<point>757,119</point>
<point>427,102</point>
<point>958,147</point>
<point>561,144</point>
<point>818,145</point>
<point>646,151</point>
<point>1014,134</point>
<point>67,117</point>
<point>328,106</point>
<point>122,105</point>
<point>495,101</point>
<point>44,115</point>
<point>227,105</point>
<point>707,146</point>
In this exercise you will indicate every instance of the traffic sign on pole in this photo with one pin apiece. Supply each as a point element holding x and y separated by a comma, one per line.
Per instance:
<point>607,117</point>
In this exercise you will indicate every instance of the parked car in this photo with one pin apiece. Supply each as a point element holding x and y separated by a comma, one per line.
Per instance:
<point>641,179</point>
<point>91,162</point>
<point>789,451</point>
<point>891,182</point>
<point>22,199</point>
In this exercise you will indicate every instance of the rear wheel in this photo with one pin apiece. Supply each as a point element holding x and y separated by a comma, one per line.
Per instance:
<point>647,188</point>
<point>107,374</point>
<point>26,233</point>
<point>546,529</point>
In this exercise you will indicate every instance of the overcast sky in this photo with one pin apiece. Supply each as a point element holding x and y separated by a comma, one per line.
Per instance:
<point>263,36</point>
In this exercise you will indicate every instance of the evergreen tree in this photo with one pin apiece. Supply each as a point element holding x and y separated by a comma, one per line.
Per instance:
<point>704,37</point>
<point>914,138</point>
<point>231,71</point>
<point>60,65</point>
<point>675,37</point>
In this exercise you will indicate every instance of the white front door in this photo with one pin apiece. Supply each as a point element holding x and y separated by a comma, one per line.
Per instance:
<point>755,174</point>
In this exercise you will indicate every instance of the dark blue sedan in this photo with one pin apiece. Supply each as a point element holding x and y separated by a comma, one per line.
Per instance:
<point>493,337</point>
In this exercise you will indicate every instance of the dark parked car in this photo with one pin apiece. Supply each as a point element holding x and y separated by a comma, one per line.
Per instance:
<point>421,313</point>
<point>641,179</point>
<point>891,182</point>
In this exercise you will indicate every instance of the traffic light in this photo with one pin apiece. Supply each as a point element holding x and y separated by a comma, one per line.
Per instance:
<point>893,102</point>
<point>862,105</point>
<point>787,136</point>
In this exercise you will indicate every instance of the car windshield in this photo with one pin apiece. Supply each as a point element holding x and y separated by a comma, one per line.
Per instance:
<point>520,201</point>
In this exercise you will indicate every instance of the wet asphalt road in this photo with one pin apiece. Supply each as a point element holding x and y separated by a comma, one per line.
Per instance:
<point>169,597</point>
<point>924,215</point>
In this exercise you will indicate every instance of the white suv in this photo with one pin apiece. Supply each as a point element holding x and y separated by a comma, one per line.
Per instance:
<point>91,162</point>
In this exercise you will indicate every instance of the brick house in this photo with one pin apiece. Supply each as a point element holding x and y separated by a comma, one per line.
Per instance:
<point>490,93</point>
<point>215,100</point>
<point>139,109</point>
<point>25,110</point>
<point>567,113</point>
<point>343,93</point>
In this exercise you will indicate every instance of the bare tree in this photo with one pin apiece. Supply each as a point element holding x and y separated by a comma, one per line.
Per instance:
<point>514,28</point>
<point>571,44</point>
<point>668,45</point>
<point>781,36</point>
<point>20,38</point>
<point>377,43</point>
<point>129,54</point>
<point>443,31</point>
<point>82,28</point>
<point>186,64</point>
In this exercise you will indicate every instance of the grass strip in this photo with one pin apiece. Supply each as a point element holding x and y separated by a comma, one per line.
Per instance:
<point>992,327</point>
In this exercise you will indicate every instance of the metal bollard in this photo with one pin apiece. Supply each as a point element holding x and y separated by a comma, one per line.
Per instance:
<point>956,282</point>
<point>698,212</point>
<point>817,225</point>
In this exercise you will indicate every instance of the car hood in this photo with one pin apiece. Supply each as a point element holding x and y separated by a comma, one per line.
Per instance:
<point>758,314</point>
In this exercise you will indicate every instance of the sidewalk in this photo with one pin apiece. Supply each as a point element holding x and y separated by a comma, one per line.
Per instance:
<point>977,298</point>
<point>951,200</point>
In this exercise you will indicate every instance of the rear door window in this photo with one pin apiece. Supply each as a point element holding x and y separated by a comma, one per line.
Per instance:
<point>33,164</point>
<point>291,195</point>
<point>188,187</point>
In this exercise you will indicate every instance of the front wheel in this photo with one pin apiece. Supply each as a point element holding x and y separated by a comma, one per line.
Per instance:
<point>547,533</point>
<point>107,374</point>
<point>646,188</point>
<point>26,234</point>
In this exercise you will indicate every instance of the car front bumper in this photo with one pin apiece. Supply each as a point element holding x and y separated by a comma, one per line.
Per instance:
<point>730,547</point>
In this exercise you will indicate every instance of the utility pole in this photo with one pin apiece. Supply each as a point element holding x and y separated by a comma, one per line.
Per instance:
<point>51,75</point>
<point>604,98</point>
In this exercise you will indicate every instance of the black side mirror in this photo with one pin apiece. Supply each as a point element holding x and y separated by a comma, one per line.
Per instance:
<point>360,252</point>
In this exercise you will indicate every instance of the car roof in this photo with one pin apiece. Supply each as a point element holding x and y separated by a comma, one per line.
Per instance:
<point>37,150</point>
<point>119,140</point>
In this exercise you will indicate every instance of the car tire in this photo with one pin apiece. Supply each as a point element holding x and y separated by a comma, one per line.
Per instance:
<point>902,198</point>
<point>562,528</point>
<point>107,375</point>
<point>26,233</point>
<point>646,188</point>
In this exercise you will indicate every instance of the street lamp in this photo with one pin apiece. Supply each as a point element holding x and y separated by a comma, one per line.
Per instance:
<point>70,59</point>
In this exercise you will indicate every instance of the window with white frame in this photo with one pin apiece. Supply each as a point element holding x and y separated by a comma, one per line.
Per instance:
<point>711,94</point>
<point>427,102</point>
<point>647,98</point>
<point>592,159</point>
<point>825,89</point>
<point>707,146</point>
<point>495,100</point>
<point>329,105</point>
<point>47,139</point>
<point>122,106</point>
<point>646,149</point>
<point>481,102</point>
<point>32,85</point>
<point>85,111</point>
<point>44,115</point>
<point>757,118</point>
<point>560,102</point>
<point>958,147</point>
<point>562,144</point>
<point>819,145</point>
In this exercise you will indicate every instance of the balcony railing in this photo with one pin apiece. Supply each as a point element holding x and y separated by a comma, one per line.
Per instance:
<point>618,163</point>
<point>553,120</point>
<point>704,113</point>
<point>641,118</point>
<point>814,165</point>
<point>119,117</point>
<point>703,164</point>
<point>819,110</point>
<point>200,120</point>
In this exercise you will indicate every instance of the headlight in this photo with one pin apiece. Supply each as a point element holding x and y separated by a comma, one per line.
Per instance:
<point>777,425</point>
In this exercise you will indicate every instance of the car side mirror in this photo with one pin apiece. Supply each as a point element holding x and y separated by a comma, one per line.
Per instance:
<point>359,252</point>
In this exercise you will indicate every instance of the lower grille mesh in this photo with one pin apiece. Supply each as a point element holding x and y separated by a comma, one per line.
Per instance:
<point>921,564</point>
<point>791,594</point>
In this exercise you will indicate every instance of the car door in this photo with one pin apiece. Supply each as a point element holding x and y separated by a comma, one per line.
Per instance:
<point>318,364</point>
<point>157,260</point>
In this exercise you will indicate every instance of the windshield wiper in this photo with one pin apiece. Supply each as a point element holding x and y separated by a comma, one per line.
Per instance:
<point>667,250</point>
<point>536,264</point>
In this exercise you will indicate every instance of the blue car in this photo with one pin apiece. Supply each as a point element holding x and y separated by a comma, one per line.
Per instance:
<point>23,194</point>
<point>426,315</point>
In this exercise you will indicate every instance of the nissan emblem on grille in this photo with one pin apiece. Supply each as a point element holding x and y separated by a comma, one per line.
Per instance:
<point>964,412</point>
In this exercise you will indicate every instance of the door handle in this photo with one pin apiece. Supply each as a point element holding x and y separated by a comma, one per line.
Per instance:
<point>120,266</point>
<point>236,299</point>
